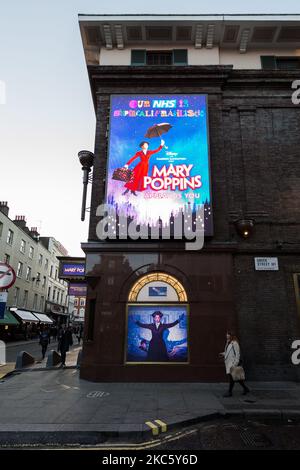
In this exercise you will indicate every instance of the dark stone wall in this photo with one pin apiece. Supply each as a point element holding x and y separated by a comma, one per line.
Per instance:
<point>254,146</point>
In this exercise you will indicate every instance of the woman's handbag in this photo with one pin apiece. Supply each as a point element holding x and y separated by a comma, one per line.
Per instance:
<point>122,174</point>
<point>237,373</point>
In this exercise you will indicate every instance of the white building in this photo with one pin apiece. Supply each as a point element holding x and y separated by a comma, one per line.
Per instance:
<point>35,262</point>
<point>241,41</point>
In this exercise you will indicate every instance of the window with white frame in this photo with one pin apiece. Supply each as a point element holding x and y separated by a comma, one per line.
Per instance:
<point>25,299</point>
<point>20,269</point>
<point>35,301</point>
<point>10,237</point>
<point>42,301</point>
<point>16,296</point>
<point>23,246</point>
<point>28,273</point>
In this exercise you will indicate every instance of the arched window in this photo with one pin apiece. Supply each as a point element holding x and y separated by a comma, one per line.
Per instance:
<point>157,286</point>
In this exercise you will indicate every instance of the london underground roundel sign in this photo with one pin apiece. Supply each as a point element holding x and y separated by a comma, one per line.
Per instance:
<point>7,276</point>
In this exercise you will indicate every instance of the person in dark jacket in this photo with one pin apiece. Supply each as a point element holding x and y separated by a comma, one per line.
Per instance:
<point>157,350</point>
<point>65,340</point>
<point>44,340</point>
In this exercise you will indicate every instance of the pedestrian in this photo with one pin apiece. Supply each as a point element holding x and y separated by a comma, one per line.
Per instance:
<point>44,340</point>
<point>54,333</point>
<point>79,333</point>
<point>65,340</point>
<point>232,360</point>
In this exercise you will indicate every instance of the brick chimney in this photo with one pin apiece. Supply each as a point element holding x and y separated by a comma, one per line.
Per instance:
<point>20,221</point>
<point>34,233</point>
<point>4,207</point>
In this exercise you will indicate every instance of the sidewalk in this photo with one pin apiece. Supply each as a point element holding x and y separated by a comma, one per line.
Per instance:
<point>12,344</point>
<point>6,369</point>
<point>71,361</point>
<point>56,406</point>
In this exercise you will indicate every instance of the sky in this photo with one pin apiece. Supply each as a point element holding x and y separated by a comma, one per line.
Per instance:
<point>48,115</point>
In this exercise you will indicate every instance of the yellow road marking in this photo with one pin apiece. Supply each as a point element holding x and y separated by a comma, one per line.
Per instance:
<point>144,445</point>
<point>153,427</point>
<point>162,425</point>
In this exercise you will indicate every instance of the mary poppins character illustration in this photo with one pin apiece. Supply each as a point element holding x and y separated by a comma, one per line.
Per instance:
<point>157,350</point>
<point>136,183</point>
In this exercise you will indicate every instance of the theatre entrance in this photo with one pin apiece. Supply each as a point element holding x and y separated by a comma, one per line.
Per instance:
<point>157,321</point>
<point>157,325</point>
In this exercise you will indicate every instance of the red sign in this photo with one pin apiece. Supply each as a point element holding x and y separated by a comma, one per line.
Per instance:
<point>7,276</point>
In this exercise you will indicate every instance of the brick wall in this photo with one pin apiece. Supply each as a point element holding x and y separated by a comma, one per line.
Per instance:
<point>254,144</point>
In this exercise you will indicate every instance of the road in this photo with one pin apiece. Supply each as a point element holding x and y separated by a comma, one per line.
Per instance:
<point>235,434</point>
<point>32,347</point>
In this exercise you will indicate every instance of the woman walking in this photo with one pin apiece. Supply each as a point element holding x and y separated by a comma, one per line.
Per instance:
<point>232,357</point>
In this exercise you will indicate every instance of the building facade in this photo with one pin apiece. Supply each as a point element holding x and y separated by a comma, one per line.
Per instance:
<point>35,262</point>
<point>246,277</point>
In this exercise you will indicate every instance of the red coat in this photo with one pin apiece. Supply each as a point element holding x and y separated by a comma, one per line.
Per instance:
<point>140,170</point>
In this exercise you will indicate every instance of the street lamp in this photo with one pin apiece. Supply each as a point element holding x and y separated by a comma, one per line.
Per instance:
<point>86,159</point>
<point>244,227</point>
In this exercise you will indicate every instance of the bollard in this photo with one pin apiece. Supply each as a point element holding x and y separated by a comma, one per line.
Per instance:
<point>24,359</point>
<point>53,358</point>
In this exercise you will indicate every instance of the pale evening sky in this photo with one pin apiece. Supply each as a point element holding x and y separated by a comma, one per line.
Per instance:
<point>48,115</point>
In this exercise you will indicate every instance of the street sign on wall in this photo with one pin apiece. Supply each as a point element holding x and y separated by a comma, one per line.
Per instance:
<point>266,264</point>
<point>7,276</point>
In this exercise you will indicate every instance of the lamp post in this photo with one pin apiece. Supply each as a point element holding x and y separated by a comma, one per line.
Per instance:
<point>86,159</point>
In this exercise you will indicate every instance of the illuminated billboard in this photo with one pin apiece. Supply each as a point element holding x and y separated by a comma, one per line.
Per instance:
<point>73,270</point>
<point>78,290</point>
<point>157,334</point>
<point>158,158</point>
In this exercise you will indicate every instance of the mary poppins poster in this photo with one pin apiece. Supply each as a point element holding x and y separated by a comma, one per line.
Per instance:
<point>158,158</point>
<point>157,334</point>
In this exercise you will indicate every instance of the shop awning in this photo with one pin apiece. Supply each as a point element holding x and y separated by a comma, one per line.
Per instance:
<point>9,319</point>
<point>25,316</point>
<point>42,317</point>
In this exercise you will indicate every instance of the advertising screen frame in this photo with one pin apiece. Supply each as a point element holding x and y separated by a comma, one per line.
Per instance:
<point>157,305</point>
<point>162,96</point>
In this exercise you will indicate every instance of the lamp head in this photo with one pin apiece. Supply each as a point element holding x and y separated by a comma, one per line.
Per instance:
<point>86,159</point>
<point>244,227</point>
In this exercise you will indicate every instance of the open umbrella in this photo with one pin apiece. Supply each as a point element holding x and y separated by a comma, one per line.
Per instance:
<point>157,130</point>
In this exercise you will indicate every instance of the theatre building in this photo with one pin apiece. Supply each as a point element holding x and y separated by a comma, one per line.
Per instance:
<point>197,122</point>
